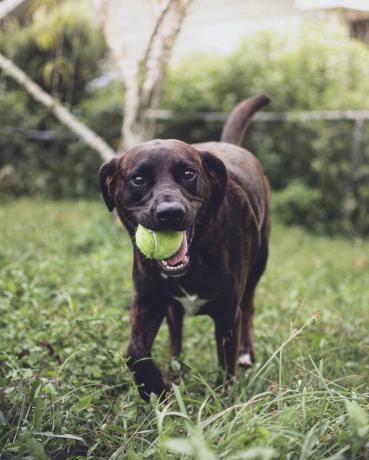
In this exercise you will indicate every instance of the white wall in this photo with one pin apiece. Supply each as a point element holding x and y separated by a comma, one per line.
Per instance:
<point>220,25</point>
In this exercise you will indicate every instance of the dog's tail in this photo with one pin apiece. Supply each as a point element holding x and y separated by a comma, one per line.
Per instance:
<point>238,120</point>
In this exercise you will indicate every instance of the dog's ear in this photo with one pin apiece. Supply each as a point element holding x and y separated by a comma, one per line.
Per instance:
<point>107,178</point>
<point>217,173</point>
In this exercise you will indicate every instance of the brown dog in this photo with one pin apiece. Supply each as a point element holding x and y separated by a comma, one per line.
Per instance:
<point>217,193</point>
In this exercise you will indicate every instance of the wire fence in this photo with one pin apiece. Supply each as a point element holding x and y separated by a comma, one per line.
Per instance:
<point>325,151</point>
<point>315,115</point>
<point>358,117</point>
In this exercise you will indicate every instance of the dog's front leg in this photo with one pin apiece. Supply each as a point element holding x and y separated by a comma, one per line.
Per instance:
<point>175,314</point>
<point>227,334</point>
<point>146,320</point>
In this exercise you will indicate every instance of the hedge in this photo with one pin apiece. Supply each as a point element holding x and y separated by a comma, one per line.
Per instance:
<point>308,163</point>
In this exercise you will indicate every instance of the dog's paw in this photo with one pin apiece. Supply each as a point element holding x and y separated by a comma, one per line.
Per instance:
<point>175,371</point>
<point>246,360</point>
<point>160,389</point>
<point>148,378</point>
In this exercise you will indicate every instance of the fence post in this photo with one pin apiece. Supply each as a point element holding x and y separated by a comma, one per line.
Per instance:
<point>357,137</point>
<point>356,141</point>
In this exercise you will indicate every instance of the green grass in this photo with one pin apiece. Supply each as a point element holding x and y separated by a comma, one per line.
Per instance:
<point>65,391</point>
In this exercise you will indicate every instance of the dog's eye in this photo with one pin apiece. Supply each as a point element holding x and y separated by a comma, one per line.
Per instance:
<point>188,174</point>
<point>138,180</point>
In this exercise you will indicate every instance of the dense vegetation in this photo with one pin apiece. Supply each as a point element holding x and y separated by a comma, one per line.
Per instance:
<point>65,283</point>
<point>321,185</point>
<point>65,391</point>
<point>61,49</point>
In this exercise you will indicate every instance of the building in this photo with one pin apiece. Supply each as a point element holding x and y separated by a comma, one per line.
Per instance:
<point>352,14</point>
<point>220,25</point>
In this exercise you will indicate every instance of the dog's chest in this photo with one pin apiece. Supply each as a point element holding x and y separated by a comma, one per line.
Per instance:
<point>190,302</point>
<point>196,289</point>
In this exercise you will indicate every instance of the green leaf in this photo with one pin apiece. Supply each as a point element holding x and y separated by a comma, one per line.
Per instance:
<point>37,414</point>
<point>63,436</point>
<point>256,453</point>
<point>85,402</point>
<point>36,448</point>
<point>115,429</point>
<point>359,417</point>
<point>179,445</point>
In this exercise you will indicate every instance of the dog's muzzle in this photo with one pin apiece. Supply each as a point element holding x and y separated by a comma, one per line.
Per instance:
<point>178,263</point>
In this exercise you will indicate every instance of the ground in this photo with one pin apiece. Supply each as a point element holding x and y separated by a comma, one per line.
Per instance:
<point>65,391</point>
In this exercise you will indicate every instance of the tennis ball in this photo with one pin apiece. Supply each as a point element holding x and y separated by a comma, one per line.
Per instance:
<point>158,245</point>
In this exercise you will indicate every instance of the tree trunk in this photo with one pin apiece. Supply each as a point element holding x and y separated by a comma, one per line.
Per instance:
<point>141,36</point>
<point>152,26</point>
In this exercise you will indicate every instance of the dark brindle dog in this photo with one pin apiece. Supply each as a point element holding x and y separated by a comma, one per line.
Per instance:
<point>217,193</point>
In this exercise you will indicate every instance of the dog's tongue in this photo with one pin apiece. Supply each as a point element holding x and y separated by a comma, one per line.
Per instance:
<point>179,256</point>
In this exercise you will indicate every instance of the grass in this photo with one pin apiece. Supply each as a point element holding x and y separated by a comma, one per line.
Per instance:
<point>65,392</point>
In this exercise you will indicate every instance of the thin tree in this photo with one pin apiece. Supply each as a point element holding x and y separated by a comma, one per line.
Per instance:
<point>140,35</point>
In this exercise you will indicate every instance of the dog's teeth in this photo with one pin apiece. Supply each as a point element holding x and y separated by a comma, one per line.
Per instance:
<point>174,268</point>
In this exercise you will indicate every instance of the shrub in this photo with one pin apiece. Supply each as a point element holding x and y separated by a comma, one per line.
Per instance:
<point>313,73</point>
<point>61,50</point>
<point>317,71</point>
<point>300,203</point>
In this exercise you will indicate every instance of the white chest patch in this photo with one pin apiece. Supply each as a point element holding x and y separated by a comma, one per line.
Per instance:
<point>191,302</point>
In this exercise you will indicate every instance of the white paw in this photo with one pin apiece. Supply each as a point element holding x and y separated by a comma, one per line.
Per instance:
<point>245,360</point>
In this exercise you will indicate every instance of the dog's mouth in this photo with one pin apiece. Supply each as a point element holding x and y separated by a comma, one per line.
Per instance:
<point>178,263</point>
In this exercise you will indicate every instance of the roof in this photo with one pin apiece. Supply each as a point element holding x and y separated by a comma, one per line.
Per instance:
<point>353,5</point>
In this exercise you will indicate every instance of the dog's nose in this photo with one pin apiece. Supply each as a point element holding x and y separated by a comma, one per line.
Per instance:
<point>170,211</point>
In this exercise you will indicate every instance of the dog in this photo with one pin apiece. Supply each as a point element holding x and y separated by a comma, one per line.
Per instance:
<point>218,195</point>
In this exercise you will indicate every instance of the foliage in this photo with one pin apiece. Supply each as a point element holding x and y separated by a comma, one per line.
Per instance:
<point>65,391</point>
<point>103,111</point>
<point>297,203</point>
<point>312,73</point>
<point>319,70</point>
<point>61,50</point>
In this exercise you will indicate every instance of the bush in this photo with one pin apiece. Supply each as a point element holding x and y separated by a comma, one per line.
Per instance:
<point>61,50</point>
<point>299,203</point>
<point>312,73</point>
<point>315,72</point>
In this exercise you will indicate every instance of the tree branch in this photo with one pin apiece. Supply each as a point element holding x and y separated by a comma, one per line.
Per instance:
<point>141,36</point>
<point>62,114</point>
<point>161,17</point>
<point>165,39</point>
<point>7,6</point>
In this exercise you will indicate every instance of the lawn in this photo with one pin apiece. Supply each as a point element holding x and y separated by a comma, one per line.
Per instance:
<point>65,392</point>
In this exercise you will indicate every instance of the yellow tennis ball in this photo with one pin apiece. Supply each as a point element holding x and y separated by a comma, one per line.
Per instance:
<point>158,245</point>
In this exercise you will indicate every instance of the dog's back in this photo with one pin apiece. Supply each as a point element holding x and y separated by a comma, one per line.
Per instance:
<point>242,166</point>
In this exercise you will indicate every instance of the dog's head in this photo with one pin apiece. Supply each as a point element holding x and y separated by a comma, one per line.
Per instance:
<point>165,185</point>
